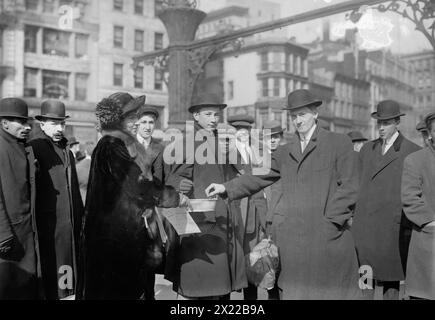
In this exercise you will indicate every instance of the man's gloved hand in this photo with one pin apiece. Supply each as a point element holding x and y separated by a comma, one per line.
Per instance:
<point>185,186</point>
<point>6,246</point>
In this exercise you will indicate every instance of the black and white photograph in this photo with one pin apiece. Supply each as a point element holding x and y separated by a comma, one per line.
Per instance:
<point>224,156</point>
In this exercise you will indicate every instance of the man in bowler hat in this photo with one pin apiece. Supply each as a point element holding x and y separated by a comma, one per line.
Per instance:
<point>59,207</point>
<point>316,168</point>
<point>19,269</point>
<point>380,228</point>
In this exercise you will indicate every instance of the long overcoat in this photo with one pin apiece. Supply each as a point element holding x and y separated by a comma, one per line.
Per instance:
<point>119,235</point>
<point>59,210</point>
<point>379,227</point>
<point>318,259</point>
<point>418,197</point>
<point>210,263</point>
<point>19,268</point>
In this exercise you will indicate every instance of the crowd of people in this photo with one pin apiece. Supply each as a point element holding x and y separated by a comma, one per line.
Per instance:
<point>352,218</point>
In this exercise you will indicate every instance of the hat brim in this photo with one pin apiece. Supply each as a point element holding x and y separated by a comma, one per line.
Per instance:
<point>315,103</point>
<point>359,140</point>
<point>10,115</point>
<point>375,116</point>
<point>240,124</point>
<point>197,107</point>
<point>272,132</point>
<point>41,118</point>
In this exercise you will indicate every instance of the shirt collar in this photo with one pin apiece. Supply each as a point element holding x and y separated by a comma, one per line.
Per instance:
<point>142,141</point>
<point>393,138</point>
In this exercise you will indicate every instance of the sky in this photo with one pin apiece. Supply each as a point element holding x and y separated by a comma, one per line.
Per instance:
<point>404,39</point>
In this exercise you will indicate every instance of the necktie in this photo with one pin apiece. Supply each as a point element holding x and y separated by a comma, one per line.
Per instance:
<point>384,147</point>
<point>304,143</point>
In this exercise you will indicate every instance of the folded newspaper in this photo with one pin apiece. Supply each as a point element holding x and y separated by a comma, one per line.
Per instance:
<point>180,219</point>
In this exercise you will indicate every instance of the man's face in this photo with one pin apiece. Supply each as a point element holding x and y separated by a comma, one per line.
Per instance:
<point>75,148</point>
<point>207,118</point>
<point>146,125</point>
<point>432,132</point>
<point>53,129</point>
<point>17,127</point>
<point>275,140</point>
<point>357,145</point>
<point>243,135</point>
<point>387,128</point>
<point>425,137</point>
<point>129,124</point>
<point>304,119</point>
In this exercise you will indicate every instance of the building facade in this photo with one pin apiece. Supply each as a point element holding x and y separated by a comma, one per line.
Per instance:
<point>80,51</point>
<point>424,66</point>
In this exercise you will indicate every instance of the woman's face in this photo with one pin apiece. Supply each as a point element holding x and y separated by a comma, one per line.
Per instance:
<point>129,124</point>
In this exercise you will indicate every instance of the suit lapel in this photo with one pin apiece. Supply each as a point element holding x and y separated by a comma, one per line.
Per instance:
<point>295,149</point>
<point>391,155</point>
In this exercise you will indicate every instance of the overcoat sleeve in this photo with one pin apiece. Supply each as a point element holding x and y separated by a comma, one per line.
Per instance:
<point>5,227</point>
<point>249,184</point>
<point>341,205</point>
<point>414,206</point>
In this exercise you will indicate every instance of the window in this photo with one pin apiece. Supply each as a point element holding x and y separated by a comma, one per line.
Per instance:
<point>48,6</point>
<point>54,84</point>
<point>230,90</point>
<point>158,41</point>
<point>55,42</point>
<point>118,36</point>
<point>158,6</point>
<point>158,80</point>
<point>31,5</point>
<point>81,86</point>
<point>118,5</point>
<point>276,83</point>
<point>30,38</point>
<point>138,78</point>
<point>264,61</point>
<point>138,7</point>
<point>30,82</point>
<point>117,74</point>
<point>265,87</point>
<point>138,40</point>
<point>276,62</point>
<point>429,99</point>
<point>81,45</point>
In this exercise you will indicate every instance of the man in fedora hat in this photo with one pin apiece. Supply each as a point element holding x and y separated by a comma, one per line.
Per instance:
<point>253,208</point>
<point>358,140</point>
<point>380,228</point>
<point>211,263</point>
<point>74,146</point>
<point>59,207</point>
<point>319,188</point>
<point>19,259</point>
<point>418,197</point>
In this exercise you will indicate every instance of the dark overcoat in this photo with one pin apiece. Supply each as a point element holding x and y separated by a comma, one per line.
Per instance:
<point>118,248</point>
<point>318,259</point>
<point>19,268</point>
<point>59,210</point>
<point>319,188</point>
<point>379,227</point>
<point>210,263</point>
<point>418,197</point>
